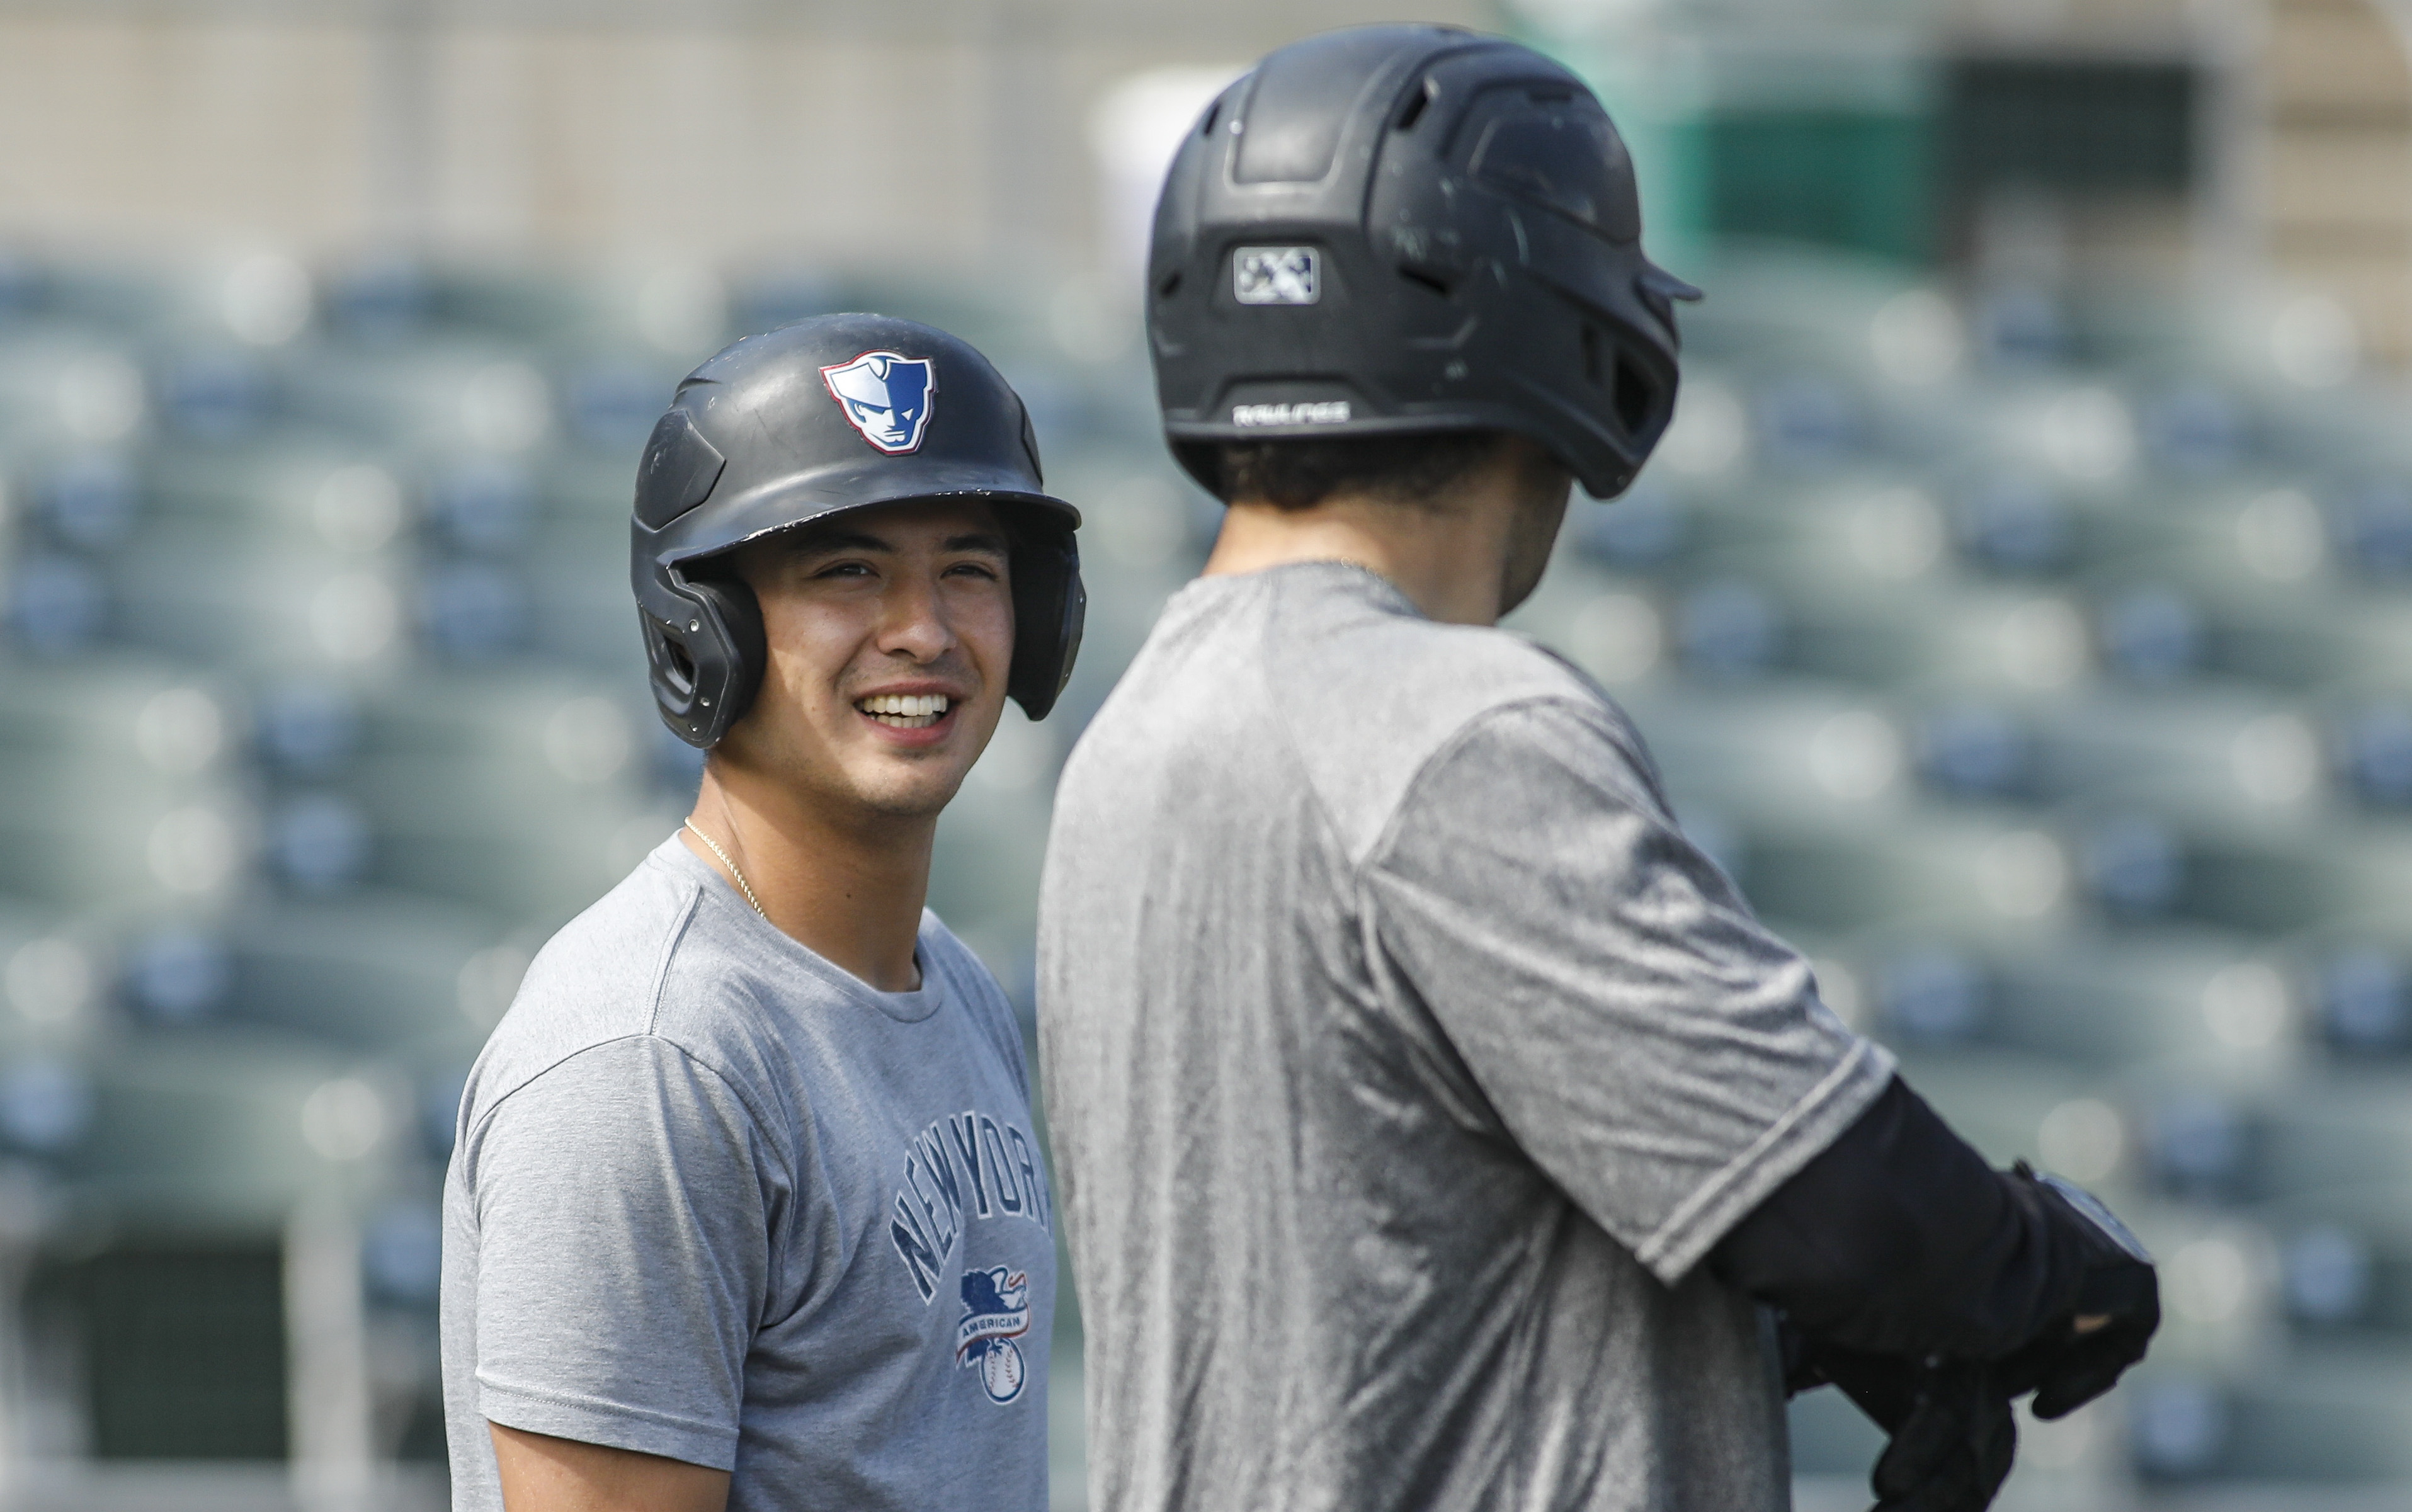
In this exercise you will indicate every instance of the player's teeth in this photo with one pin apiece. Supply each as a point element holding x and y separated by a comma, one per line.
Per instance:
<point>906,710</point>
<point>909,706</point>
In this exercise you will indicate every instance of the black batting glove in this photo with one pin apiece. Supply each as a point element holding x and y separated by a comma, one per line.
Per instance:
<point>2120,1295</point>
<point>1954,1449</point>
<point>1952,1436</point>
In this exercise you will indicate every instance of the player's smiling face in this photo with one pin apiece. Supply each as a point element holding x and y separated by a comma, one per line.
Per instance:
<point>890,633</point>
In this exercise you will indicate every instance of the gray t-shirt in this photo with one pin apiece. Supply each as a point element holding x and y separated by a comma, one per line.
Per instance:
<point>715,1199</point>
<point>1402,1061</point>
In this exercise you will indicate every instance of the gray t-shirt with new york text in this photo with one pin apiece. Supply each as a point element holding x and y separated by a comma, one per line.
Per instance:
<point>715,1199</point>
<point>1402,1062</point>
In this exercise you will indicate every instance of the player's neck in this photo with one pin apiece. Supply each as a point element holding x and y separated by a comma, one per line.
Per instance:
<point>847,888</point>
<point>1458,558</point>
<point>1449,563</point>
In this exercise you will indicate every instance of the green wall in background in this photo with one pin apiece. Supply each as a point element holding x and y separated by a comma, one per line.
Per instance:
<point>1883,160</point>
<point>1813,153</point>
<point>1855,181</point>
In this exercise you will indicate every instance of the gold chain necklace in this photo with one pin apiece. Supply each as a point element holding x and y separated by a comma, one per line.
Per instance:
<point>733,868</point>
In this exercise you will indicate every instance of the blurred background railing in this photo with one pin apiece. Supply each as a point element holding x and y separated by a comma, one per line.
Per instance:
<point>2021,607</point>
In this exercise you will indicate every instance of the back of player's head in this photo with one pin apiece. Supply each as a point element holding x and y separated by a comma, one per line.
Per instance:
<point>1421,470</point>
<point>1400,230</point>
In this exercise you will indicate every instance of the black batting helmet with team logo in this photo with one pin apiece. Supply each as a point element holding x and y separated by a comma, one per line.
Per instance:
<point>836,413</point>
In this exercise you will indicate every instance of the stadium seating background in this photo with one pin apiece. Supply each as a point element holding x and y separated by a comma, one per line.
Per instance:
<point>2037,663</point>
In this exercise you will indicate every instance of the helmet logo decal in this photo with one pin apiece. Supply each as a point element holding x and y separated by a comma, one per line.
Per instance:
<point>1276,275</point>
<point>886,397</point>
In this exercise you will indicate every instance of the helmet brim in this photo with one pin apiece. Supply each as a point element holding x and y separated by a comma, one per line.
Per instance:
<point>802,499</point>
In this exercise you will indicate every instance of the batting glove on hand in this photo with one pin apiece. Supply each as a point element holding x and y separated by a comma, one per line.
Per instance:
<point>1952,1434</point>
<point>2117,1310</point>
<point>1953,1450</point>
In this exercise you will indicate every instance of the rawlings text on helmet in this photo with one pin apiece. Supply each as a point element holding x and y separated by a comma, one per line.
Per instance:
<point>1328,412</point>
<point>886,397</point>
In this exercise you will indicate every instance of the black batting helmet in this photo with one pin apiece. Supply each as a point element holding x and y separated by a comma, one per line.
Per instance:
<point>838,412</point>
<point>1396,229</point>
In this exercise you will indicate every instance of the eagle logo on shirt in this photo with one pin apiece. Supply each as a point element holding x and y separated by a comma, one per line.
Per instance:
<point>996,1311</point>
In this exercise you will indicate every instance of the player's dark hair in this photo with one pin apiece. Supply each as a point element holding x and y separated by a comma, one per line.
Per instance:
<point>1299,475</point>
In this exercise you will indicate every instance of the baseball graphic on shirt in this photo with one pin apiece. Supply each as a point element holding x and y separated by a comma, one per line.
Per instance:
<point>1001,1371</point>
<point>996,1311</point>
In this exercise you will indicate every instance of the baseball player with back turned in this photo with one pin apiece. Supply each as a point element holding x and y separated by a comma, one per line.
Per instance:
<point>745,1208</point>
<point>1436,1127</point>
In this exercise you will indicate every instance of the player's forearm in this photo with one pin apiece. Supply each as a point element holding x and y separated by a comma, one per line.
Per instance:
<point>1898,1239</point>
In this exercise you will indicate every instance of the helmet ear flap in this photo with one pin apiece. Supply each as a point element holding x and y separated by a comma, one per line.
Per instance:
<point>706,671</point>
<point>1047,592</point>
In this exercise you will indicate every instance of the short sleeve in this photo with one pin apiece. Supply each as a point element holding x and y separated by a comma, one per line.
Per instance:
<point>1660,1055</point>
<point>623,1256</point>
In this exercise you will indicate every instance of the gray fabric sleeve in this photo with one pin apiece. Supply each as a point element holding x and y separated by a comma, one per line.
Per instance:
<point>1646,1041</point>
<point>623,1253</point>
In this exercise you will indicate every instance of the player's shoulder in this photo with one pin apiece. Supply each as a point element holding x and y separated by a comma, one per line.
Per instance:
<point>1416,673</point>
<point>598,980</point>
<point>1371,691</point>
<point>964,972</point>
<point>967,981</point>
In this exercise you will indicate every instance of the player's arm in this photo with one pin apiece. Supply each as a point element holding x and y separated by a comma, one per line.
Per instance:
<point>1934,1290</point>
<point>621,1202</point>
<point>1899,1239</point>
<point>544,1473</point>
<point>1646,1042</point>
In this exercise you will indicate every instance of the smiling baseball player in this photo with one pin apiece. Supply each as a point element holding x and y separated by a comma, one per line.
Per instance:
<point>1437,1128</point>
<point>746,1208</point>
